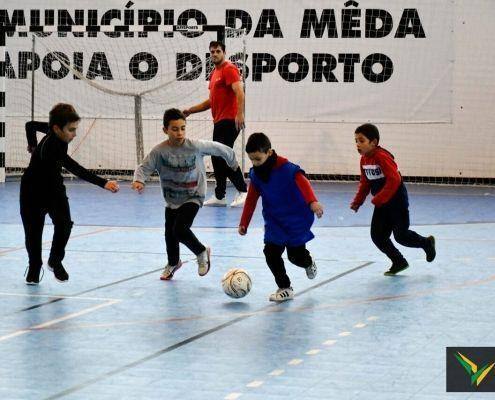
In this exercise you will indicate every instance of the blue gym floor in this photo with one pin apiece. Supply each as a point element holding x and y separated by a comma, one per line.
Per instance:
<point>115,331</point>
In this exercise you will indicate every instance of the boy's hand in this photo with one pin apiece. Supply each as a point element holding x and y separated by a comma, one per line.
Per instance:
<point>242,230</point>
<point>354,207</point>
<point>187,112</point>
<point>317,208</point>
<point>112,186</point>
<point>137,186</point>
<point>30,149</point>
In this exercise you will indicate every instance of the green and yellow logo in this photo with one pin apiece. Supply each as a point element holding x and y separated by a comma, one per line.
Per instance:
<point>477,375</point>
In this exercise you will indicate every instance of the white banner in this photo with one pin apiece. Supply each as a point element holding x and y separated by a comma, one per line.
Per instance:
<point>319,61</point>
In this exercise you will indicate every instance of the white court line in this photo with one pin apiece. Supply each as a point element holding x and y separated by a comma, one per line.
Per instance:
<point>56,296</point>
<point>57,320</point>
<point>103,229</point>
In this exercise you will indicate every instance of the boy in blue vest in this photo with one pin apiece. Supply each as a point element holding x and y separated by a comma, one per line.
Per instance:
<point>380,175</point>
<point>288,207</point>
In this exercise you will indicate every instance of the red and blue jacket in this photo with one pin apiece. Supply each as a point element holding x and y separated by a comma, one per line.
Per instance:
<point>381,177</point>
<point>286,197</point>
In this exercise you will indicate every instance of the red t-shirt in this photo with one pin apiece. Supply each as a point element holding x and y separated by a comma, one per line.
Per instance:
<point>223,101</point>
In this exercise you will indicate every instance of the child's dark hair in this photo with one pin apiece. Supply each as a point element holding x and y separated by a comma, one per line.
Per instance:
<point>62,114</point>
<point>258,141</point>
<point>216,43</point>
<point>370,131</point>
<point>172,114</point>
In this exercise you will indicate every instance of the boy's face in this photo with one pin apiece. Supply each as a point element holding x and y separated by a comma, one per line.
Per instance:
<point>217,55</point>
<point>176,131</point>
<point>68,133</point>
<point>258,157</point>
<point>363,144</point>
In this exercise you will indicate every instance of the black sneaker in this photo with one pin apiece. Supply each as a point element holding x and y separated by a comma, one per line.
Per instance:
<point>59,271</point>
<point>430,249</point>
<point>32,275</point>
<point>397,266</point>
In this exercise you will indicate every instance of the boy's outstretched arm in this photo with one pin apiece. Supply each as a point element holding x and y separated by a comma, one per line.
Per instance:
<point>249,207</point>
<point>144,170</point>
<point>210,148</point>
<point>309,195</point>
<point>31,128</point>
<point>363,190</point>
<point>88,176</point>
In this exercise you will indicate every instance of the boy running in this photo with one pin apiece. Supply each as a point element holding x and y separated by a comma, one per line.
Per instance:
<point>379,174</point>
<point>179,162</point>
<point>288,207</point>
<point>43,190</point>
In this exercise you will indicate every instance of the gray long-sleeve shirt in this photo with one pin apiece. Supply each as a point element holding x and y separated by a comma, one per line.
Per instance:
<point>182,170</point>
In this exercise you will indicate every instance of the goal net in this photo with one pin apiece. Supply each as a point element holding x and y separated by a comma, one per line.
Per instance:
<point>120,84</point>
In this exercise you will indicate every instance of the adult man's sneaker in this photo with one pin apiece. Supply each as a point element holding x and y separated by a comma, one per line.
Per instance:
<point>282,294</point>
<point>33,275</point>
<point>396,267</point>
<point>430,249</point>
<point>239,200</point>
<point>58,270</point>
<point>214,202</point>
<point>169,271</point>
<point>204,262</point>
<point>311,271</point>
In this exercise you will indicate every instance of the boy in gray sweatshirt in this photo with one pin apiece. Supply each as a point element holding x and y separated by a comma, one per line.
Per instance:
<point>179,162</point>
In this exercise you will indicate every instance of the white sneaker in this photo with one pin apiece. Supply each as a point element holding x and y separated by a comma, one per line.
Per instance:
<point>204,262</point>
<point>311,271</point>
<point>214,202</point>
<point>239,200</point>
<point>169,271</point>
<point>282,294</point>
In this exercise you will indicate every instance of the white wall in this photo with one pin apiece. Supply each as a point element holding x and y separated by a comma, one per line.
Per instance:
<point>464,147</point>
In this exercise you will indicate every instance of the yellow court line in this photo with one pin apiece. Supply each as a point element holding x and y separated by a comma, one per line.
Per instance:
<point>57,320</point>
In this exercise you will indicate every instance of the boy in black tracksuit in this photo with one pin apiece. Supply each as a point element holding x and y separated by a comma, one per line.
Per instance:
<point>379,174</point>
<point>43,191</point>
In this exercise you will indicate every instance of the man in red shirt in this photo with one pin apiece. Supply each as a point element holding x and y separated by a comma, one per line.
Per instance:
<point>227,107</point>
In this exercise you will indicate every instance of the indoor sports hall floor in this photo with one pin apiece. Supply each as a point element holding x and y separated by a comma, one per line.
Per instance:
<point>115,331</point>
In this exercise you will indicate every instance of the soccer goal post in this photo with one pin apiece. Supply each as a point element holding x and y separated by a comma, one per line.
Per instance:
<point>120,79</point>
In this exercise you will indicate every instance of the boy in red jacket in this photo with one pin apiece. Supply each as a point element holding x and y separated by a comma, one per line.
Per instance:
<point>379,174</point>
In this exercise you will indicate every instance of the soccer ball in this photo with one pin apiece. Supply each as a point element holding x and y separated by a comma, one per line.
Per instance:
<point>236,283</point>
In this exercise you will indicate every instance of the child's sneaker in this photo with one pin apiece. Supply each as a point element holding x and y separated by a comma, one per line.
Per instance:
<point>58,270</point>
<point>282,294</point>
<point>239,200</point>
<point>397,266</point>
<point>311,271</point>
<point>204,262</point>
<point>169,271</point>
<point>430,249</point>
<point>214,202</point>
<point>33,275</point>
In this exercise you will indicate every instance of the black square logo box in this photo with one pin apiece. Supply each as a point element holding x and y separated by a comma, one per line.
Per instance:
<point>470,369</point>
